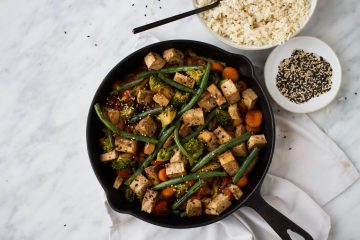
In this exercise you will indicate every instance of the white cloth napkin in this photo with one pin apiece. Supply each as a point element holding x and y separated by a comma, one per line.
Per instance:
<point>304,159</point>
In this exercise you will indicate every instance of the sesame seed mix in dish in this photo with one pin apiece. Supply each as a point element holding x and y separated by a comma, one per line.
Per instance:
<point>182,133</point>
<point>303,76</point>
<point>256,22</point>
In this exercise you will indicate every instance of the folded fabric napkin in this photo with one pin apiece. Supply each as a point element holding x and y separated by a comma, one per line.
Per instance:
<point>305,160</point>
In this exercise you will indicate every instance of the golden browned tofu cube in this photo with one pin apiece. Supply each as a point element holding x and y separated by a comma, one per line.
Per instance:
<point>168,141</point>
<point>193,208</point>
<point>151,173</point>
<point>149,148</point>
<point>184,130</point>
<point>109,156</point>
<point>216,94</point>
<point>125,145</point>
<point>209,138</point>
<point>175,169</point>
<point>178,157</point>
<point>220,203</point>
<point>207,102</point>
<point>146,127</point>
<point>258,141</point>
<point>221,135</point>
<point>163,96</point>
<point>236,191</point>
<point>194,117</point>
<point>234,111</point>
<point>184,80</point>
<point>249,98</point>
<point>149,200</point>
<point>230,91</point>
<point>173,56</point>
<point>154,61</point>
<point>240,130</point>
<point>240,150</point>
<point>229,163</point>
<point>113,115</point>
<point>118,181</point>
<point>139,185</point>
<point>144,97</point>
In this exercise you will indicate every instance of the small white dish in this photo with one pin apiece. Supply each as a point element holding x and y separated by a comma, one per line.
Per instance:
<point>308,44</point>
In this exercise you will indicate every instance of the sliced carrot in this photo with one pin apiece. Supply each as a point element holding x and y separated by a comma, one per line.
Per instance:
<point>253,118</point>
<point>230,73</point>
<point>161,208</point>
<point>243,85</point>
<point>252,129</point>
<point>237,122</point>
<point>215,66</point>
<point>167,192</point>
<point>242,182</point>
<point>162,175</point>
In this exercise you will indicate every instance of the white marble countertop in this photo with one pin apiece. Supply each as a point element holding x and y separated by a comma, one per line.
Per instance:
<point>54,54</point>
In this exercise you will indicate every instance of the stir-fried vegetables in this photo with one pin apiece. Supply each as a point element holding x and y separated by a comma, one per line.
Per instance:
<point>208,132</point>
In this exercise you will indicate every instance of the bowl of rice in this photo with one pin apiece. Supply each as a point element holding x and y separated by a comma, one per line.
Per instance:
<point>256,24</point>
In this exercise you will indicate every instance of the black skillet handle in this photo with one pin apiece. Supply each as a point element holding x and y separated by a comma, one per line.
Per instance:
<point>275,219</point>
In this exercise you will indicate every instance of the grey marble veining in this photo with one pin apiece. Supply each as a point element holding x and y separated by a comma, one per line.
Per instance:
<point>54,54</point>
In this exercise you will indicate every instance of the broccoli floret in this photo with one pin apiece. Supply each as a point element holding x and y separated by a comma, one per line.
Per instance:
<point>164,154</point>
<point>130,195</point>
<point>180,189</point>
<point>213,166</point>
<point>195,147</point>
<point>155,84</point>
<point>215,78</point>
<point>106,144</point>
<point>167,116</point>
<point>127,111</point>
<point>180,98</point>
<point>123,161</point>
<point>196,74</point>
<point>223,117</point>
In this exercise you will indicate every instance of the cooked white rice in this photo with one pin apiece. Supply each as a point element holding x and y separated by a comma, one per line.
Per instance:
<point>256,22</point>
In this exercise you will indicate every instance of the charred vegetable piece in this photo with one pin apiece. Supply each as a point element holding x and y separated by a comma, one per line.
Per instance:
<point>145,114</point>
<point>155,84</point>
<point>179,99</point>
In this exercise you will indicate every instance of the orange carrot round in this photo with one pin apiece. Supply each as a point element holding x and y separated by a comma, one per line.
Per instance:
<point>162,175</point>
<point>253,118</point>
<point>230,73</point>
<point>242,182</point>
<point>215,66</point>
<point>167,192</point>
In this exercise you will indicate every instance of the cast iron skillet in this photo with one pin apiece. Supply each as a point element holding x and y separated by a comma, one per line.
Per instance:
<point>251,197</point>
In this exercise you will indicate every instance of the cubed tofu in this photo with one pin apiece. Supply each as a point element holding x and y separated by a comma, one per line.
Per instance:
<point>230,91</point>
<point>113,115</point>
<point>240,150</point>
<point>194,117</point>
<point>184,80</point>
<point>144,97</point>
<point>149,201</point>
<point>184,130</point>
<point>173,56</point>
<point>249,98</point>
<point>236,192</point>
<point>147,126</point>
<point>118,181</point>
<point>125,145</point>
<point>178,157</point>
<point>207,102</point>
<point>219,204</point>
<point>216,94</point>
<point>139,185</point>
<point>154,61</point>
<point>163,96</point>
<point>193,208</point>
<point>209,138</point>
<point>152,174</point>
<point>240,130</point>
<point>149,148</point>
<point>221,135</point>
<point>229,163</point>
<point>176,169</point>
<point>109,156</point>
<point>234,111</point>
<point>168,141</point>
<point>205,202</point>
<point>258,141</point>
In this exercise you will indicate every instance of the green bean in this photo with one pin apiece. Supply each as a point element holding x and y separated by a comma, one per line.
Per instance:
<point>145,114</point>
<point>246,164</point>
<point>110,137</point>
<point>123,134</point>
<point>127,85</point>
<point>148,160</point>
<point>188,194</point>
<point>198,93</point>
<point>219,150</point>
<point>191,176</point>
<point>175,84</point>
<point>183,214</point>
<point>178,143</point>
<point>148,73</point>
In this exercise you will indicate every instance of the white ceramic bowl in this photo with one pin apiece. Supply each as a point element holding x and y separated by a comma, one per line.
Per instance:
<point>308,44</point>
<point>252,47</point>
